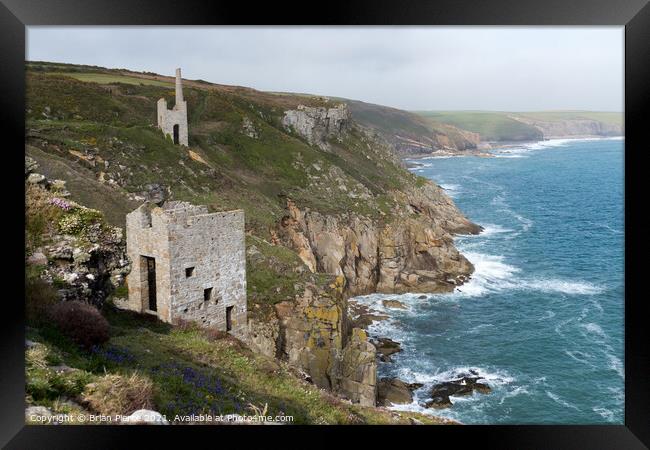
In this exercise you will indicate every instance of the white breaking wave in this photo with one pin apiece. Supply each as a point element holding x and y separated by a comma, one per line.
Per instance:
<point>493,378</point>
<point>492,229</point>
<point>503,387</point>
<point>492,274</point>
<point>559,401</point>
<point>581,357</point>
<point>562,286</point>
<point>452,190</point>
<point>615,364</point>
<point>520,151</point>
<point>595,329</point>
<point>514,393</point>
<point>605,413</point>
<point>510,156</point>
<point>551,143</point>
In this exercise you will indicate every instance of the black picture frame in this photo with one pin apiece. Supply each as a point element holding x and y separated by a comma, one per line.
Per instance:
<point>15,15</point>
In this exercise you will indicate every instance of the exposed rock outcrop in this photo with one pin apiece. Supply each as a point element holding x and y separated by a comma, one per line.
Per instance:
<point>264,335</point>
<point>393,304</point>
<point>391,391</point>
<point>411,134</point>
<point>414,252</point>
<point>80,254</point>
<point>448,138</point>
<point>314,334</point>
<point>410,251</point>
<point>318,124</point>
<point>386,346</point>
<point>359,369</point>
<point>463,384</point>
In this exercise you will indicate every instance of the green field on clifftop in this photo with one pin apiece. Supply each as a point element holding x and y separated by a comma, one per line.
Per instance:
<point>492,126</point>
<point>504,126</point>
<point>608,117</point>
<point>101,78</point>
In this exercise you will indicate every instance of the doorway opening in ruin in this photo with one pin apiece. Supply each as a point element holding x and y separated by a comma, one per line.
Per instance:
<point>229,318</point>
<point>176,134</point>
<point>207,294</point>
<point>150,266</point>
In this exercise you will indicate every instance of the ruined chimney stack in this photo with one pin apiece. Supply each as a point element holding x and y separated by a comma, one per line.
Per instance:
<point>173,122</point>
<point>179,87</point>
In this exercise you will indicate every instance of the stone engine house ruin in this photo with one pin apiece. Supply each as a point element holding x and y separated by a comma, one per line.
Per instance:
<point>173,122</point>
<point>188,264</point>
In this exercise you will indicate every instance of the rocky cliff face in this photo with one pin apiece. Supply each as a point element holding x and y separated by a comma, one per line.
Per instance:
<point>318,124</point>
<point>313,333</point>
<point>448,138</point>
<point>409,133</point>
<point>411,252</point>
<point>573,127</point>
<point>410,249</point>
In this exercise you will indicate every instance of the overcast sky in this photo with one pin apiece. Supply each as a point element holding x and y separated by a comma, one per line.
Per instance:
<point>414,68</point>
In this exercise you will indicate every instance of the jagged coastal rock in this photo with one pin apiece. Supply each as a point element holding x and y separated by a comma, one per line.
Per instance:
<point>463,384</point>
<point>414,253</point>
<point>392,391</point>
<point>314,334</point>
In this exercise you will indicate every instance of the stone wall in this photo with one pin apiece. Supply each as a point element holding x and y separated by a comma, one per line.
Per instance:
<point>167,118</point>
<point>146,235</point>
<point>214,246</point>
<point>200,263</point>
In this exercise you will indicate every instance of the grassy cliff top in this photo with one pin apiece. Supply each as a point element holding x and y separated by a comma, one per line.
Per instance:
<point>492,126</point>
<point>504,126</point>
<point>96,128</point>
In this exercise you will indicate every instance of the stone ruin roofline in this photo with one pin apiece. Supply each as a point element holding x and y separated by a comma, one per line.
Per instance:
<point>172,208</point>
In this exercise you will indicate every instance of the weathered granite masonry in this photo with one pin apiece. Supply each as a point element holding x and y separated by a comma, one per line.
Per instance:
<point>173,122</point>
<point>193,260</point>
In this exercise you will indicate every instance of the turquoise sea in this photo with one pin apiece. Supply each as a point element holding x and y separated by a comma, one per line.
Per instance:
<point>542,317</point>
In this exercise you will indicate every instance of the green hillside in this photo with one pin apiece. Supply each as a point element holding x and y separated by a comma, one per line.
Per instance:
<point>607,117</point>
<point>492,126</point>
<point>99,126</point>
<point>95,128</point>
<point>520,126</point>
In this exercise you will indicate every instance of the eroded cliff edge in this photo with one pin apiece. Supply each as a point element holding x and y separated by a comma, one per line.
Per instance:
<point>330,210</point>
<point>408,248</point>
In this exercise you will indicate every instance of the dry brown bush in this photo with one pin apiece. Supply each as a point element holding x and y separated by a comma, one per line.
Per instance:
<point>115,394</point>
